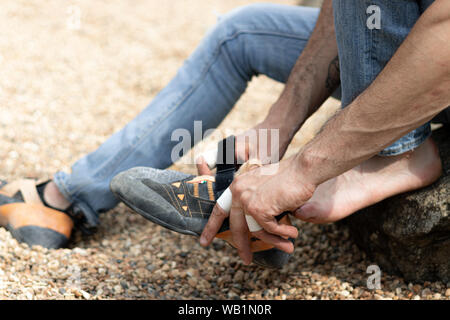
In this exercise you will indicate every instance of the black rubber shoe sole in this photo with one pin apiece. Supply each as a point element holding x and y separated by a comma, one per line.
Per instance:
<point>33,235</point>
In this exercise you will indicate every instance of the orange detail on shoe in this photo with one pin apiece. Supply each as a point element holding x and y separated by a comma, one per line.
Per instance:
<point>181,197</point>
<point>196,193</point>
<point>255,246</point>
<point>201,179</point>
<point>185,208</point>
<point>29,214</point>
<point>210,191</point>
<point>176,184</point>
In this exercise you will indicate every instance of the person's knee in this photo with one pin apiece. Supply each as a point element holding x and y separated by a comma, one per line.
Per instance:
<point>243,15</point>
<point>231,29</point>
<point>239,20</point>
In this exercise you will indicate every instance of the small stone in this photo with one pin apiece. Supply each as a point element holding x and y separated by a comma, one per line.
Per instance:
<point>344,293</point>
<point>124,284</point>
<point>447,292</point>
<point>192,282</point>
<point>85,295</point>
<point>233,296</point>
<point>426,292</point>
<point>81,252</point>
<point>239,276</point>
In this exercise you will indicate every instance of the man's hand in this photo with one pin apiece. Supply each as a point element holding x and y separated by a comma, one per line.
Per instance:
<point>249,144</point>
<point>263,197</point>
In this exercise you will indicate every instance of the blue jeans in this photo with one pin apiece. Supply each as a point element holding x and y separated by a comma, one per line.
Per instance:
<point>257,39</point>
<point>363,53</point>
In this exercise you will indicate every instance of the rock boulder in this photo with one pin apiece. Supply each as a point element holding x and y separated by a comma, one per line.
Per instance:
<point>409,234</point>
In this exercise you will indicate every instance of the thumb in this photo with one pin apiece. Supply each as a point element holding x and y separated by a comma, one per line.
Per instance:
<point>202,167</point>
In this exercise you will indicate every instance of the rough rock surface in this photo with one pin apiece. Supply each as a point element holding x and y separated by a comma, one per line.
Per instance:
<point>409,234</point>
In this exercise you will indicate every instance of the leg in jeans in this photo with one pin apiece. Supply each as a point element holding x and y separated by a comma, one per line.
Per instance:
<point>364,53</point>
<point>410,163</point>
<point>257,39</point>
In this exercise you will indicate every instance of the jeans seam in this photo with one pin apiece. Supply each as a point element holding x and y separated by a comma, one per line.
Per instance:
<point>195,86</point>
<point>63,187</point>
<point>405,147</point>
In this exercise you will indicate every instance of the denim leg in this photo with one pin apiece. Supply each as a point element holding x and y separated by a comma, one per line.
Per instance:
<point>363,52</point>
<point>256,39</point>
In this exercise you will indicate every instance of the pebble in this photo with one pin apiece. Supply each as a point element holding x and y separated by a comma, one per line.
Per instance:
<point>447,292</point>
<point>426,292</point>
<point>85,295</point>
<point>124,284</point>
<point>192,282</point>
<point>118,289</point>
<point>344,293</point>
<point>239,276</point>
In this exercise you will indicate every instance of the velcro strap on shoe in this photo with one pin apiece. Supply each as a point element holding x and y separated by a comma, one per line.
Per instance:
<point>27,188</point>
<point>226,165</point>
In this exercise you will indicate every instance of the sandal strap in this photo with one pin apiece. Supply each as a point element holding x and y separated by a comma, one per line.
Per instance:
<point>27,188</point>
<point>77,215</point>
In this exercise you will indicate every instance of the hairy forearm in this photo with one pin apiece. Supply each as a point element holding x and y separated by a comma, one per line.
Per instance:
<point>411,90</point>
<point>313,79</point>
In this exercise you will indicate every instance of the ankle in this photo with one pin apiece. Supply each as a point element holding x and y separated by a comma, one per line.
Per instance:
<point>54,197</point>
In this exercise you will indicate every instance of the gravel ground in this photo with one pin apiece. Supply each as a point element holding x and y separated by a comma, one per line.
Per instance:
<point>74,72</point>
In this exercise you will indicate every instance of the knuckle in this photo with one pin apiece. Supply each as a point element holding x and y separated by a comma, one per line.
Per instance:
<point>207,234</point>
<point>218,212</point>
<point>237,186</point>
<point>271,227</point>
<point>246,199</point>
<point>252,208</point>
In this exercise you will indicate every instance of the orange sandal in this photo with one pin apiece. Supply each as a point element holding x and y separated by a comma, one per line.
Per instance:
<point>23,213</point>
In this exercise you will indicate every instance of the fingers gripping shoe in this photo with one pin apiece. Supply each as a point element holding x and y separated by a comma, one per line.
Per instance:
<point>185,206</point>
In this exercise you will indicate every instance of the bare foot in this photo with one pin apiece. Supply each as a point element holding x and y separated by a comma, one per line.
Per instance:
<point>372,181</point>
<point>54,197</point>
